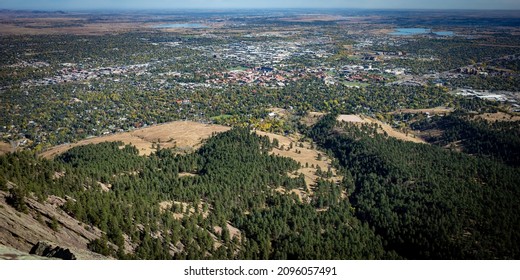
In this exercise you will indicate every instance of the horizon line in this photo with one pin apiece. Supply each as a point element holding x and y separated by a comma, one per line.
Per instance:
<point>252,9</point>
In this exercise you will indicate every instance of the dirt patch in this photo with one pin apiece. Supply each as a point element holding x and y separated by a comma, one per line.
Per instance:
<point>5,148</point>
<point>350,118</point>
<point>182,134</point>
<point>186,174</point>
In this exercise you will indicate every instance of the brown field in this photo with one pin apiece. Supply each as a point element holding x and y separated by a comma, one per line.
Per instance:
<point>382,31</point>
<point>5,148</point>
<point>350,118</point>
<point>85,29</point>
<point>499,116</point>
<point>411,137</point>
<point>384,128</point>
<point>81,26</point>
<point>181,134</point>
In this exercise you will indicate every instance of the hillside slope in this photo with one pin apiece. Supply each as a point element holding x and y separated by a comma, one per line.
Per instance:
<point>24,230</point>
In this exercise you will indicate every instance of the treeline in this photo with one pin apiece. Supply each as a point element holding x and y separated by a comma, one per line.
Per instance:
<point>424,201</point>
<point>498,140</point>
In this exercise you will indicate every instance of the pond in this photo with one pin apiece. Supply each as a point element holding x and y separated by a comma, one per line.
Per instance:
<point>416,31</point>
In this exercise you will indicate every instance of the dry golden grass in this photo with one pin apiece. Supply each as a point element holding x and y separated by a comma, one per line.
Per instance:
<point>499,116</point>
<point>384,128</point>
<point>182,134</point>
<point>397,134</point>
<point>305,156</point>
<point>350,118</point>
<point>5,148</point>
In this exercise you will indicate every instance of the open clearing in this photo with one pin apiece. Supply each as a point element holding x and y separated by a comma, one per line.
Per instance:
<point>305,156</point>
<point>350,118</point>
<point>180,134</point>
<point>499,116</point>
<point>384,128</point>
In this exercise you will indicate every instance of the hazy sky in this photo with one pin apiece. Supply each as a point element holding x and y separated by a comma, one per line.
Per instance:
<point>181,4</point>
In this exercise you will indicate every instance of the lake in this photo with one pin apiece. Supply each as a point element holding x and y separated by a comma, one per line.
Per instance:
<point>181,25</point>
<point>416,31</point>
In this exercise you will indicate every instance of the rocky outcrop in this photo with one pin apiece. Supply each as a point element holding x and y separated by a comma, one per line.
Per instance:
<point>9,253</point>
<point>49,250</point>
<point>45,221</point>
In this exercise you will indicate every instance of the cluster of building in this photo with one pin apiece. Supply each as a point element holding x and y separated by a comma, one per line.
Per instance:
<point>34,64</point>
<point>71,73</point>
<point>262,76</point>
<point>484,94</point>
